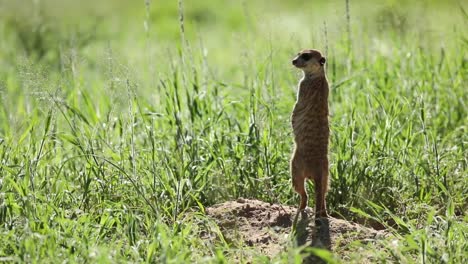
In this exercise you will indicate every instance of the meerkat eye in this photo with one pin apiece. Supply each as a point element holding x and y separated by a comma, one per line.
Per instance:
<point>306,56</point>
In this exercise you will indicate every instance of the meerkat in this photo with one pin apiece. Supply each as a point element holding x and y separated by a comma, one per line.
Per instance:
<point>311,130</point>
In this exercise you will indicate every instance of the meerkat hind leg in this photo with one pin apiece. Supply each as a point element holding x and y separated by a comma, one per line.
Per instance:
<point>298,182</point>
<point>324,180</point>
<point>299,185</point>
<point>318,196</point>
<point>319,175</point>
<point>315,173</point>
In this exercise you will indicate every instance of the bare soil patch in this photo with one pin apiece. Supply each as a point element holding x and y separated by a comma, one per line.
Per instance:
<point>267,227</point>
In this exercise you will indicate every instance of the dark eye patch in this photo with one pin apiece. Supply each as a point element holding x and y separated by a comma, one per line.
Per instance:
<point>306,56</point>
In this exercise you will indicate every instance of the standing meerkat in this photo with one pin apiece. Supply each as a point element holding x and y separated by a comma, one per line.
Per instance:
<point>311,130</point>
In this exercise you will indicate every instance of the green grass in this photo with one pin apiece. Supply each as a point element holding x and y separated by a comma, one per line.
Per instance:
<point>120,122</point>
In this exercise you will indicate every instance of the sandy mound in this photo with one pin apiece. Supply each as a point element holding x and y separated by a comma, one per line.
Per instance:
<point>267,227</point>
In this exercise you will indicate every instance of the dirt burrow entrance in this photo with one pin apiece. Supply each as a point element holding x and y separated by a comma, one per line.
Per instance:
<point>267,227</point>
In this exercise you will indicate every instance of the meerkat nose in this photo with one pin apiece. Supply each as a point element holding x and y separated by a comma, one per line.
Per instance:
<point>294,62</point>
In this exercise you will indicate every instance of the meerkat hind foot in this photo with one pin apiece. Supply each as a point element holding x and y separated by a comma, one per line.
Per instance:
<point>321,214</point>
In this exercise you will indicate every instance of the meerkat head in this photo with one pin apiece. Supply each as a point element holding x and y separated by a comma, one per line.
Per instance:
<point>310,61</point>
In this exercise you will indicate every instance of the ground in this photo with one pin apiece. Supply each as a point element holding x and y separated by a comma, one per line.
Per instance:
<point>268,227</point>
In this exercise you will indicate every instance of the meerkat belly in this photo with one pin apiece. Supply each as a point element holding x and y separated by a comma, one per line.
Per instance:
<point>311,132</point>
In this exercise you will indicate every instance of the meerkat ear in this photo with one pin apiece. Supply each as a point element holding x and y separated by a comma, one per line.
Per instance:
<point>322,61</point>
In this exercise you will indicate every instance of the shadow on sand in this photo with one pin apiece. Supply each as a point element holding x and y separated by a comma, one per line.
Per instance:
<point>317,236</point>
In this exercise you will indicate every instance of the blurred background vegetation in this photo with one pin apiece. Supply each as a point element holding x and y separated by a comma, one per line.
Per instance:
<point>138,30</point>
